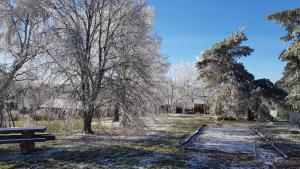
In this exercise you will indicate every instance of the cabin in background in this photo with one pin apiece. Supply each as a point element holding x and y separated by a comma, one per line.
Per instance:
<point>195,104</point>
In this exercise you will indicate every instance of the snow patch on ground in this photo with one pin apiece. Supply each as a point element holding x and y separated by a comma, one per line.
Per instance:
<point>229,139</point>
<point>233,140</point>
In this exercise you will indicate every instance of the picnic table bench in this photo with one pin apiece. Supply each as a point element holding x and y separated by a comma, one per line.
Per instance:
<point>25,136</point>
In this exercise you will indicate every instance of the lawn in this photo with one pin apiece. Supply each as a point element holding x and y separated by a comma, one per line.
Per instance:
<point>155,148</point>
<point>112,147</point>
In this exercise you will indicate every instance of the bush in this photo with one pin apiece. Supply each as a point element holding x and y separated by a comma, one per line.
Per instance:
<point>283,116</point>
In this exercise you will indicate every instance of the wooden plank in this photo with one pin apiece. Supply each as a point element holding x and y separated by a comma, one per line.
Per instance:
<point>269,142</point>
<point>10,137</point>
<point>21,130</point>
<point>45,136</point>
<point>8,141</point>
<point>193,136</point>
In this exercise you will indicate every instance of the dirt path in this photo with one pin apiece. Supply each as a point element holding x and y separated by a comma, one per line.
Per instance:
<point>231,146</point>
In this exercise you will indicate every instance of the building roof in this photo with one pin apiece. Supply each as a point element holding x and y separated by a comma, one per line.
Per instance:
<point>200,96</point>
<point>200,100</point>
<point>61,104</point>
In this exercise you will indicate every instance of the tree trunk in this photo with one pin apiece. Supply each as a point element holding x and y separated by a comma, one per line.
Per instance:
<point>250,116</point>
<point>87,122</point>
<point>10,118</point>
<point>116,113</point>
<point>2,120</point>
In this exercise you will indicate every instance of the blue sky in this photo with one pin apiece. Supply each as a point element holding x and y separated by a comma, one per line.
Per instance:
<point>188,27</point>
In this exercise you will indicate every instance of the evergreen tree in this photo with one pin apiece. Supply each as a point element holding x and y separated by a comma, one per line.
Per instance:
<point>234,91</point>
<point>265,96</point>
<point>290,20</point>
<point>228,80</point>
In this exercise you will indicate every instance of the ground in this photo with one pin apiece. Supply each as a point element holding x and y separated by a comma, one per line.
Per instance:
<point>231,146</point>
<point>286,137</point>
<point>224,144</point>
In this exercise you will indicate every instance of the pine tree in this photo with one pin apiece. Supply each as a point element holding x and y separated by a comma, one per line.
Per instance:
<point>228,80</point>
<point>290,20</point>
<point>234,91</point>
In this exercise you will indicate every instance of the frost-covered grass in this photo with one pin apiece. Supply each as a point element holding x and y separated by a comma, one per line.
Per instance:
<point>286,137</point>
<point>156,148</point>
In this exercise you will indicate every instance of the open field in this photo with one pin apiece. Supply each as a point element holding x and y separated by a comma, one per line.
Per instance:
<point>108,149</point>
<point>157,147</point>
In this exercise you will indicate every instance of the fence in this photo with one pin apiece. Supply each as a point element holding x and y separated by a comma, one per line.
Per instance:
<point>294,117</point>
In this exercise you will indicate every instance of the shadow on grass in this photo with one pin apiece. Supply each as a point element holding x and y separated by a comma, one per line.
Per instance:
<point>154,151</point>
<point>111,156</point>
<point>157,150</point>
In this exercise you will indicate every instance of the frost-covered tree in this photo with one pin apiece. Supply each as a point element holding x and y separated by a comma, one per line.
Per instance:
<point>102,48</point>
<point>23,28</point>
<point>182,85</point>
<point>265,96</point>
<point>228,80</point>
<point>234,91</point>
<point>290,20</point>
<point>136,81</point>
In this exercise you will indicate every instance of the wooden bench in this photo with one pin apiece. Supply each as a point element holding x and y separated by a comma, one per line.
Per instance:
<point>25,136</point>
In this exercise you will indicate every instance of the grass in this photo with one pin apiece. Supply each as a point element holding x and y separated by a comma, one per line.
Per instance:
<point>284,116</point>
<point>6,165</point>
<point>55,126</point>
<point>158,150</point>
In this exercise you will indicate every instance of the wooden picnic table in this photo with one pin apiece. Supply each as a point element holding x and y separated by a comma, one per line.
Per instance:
<point>27,137</point>
<point>22,130</point>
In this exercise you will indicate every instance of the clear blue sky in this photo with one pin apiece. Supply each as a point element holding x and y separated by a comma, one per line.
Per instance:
<point>187,27</point>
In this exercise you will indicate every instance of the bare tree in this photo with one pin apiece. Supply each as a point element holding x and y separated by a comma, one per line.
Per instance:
<point>23,26</point>
<point>138,80</point>
<point>182,85</point>
<point>89,36</point>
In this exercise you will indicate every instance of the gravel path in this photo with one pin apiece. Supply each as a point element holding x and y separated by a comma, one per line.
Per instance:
<point>229,139</point>
<point>231,146</point>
